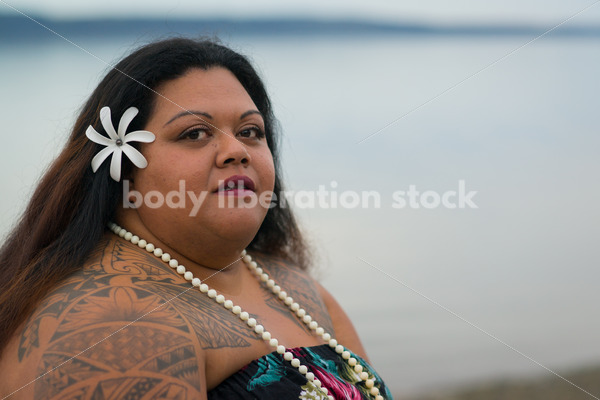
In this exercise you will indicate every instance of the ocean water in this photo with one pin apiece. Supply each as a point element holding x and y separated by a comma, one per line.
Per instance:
<point>440,296</point>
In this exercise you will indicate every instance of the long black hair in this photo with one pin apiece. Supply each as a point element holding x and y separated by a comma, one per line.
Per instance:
<point>68,212</point>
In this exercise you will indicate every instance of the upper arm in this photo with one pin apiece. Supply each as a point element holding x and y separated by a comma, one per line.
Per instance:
<point>113,344</point>
<point>120,359</point>
<point>345,333</point>
<point>110,332</point>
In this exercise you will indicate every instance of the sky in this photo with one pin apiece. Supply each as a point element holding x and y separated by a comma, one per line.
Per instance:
<point>433,11</point>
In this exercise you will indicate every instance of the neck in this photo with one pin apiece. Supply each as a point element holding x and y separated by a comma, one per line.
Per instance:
<point>219,261</point>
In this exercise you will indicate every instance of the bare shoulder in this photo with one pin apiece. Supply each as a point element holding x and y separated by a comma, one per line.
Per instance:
<point>298,284</point>
<point>311,295</point>
<point>345,332</point>
<point>114,330</point>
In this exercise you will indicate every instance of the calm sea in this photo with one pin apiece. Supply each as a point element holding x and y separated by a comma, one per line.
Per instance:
<point>439,295</point>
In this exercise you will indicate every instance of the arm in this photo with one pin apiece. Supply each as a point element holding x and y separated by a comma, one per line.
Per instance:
<point>117,358</point>
<point>344,330</point>
<point>114,330</point>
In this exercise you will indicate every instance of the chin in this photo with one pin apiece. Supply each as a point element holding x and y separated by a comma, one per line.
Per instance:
<point>240,224</point>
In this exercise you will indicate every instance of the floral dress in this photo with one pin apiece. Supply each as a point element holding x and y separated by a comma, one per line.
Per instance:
<point>271,377</point>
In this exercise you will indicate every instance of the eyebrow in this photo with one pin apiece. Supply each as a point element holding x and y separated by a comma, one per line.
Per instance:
<point>207,115</point>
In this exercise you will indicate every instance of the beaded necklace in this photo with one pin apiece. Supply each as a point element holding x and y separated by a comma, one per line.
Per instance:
<point>252,323</point>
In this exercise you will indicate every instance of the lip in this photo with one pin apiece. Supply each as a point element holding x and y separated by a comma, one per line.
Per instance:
<point>236,184</point>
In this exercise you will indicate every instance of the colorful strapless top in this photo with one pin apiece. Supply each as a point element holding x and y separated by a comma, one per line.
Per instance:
<point>271,377</point>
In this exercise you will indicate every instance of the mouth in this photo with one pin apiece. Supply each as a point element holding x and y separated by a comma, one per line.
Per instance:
<point>236,184</point>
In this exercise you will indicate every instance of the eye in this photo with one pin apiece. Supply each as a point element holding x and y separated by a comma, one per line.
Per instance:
<point>196,133</point>
<point>252,132</point>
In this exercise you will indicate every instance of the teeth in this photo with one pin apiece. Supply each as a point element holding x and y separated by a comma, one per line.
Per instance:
<point>231,185</point>
<point>235,185</point>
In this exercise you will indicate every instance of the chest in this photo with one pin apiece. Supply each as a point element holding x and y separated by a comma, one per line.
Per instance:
<point>241,343</point>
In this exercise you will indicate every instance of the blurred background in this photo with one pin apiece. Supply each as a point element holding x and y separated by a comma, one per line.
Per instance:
<point>378,96</point>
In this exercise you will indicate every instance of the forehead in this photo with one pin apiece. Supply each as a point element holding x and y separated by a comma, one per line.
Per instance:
<point>211,90</point>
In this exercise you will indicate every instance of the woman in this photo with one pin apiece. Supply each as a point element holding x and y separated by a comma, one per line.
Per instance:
<point>175,152</point>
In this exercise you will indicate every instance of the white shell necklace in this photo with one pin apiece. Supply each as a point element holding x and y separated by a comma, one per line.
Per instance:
<point>363,376</point>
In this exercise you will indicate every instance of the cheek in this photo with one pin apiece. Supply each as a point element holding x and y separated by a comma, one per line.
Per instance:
<point>267,170</point>
<point>166,171</point>
<point>176,175</point>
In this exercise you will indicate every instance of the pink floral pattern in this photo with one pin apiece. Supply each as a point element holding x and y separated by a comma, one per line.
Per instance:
<point>271,377</point>
<point>337,388</point>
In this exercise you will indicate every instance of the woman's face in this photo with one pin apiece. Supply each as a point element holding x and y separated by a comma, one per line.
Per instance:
<point>208,131</point>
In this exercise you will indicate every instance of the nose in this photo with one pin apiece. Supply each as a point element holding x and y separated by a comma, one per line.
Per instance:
<point>231,151</point>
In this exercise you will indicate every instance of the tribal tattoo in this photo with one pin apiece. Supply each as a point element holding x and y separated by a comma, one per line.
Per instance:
<point>127,326</point>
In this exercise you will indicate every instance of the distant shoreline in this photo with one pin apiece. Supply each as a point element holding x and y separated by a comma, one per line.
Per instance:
<point>16,28</point>
<point>548,387</point>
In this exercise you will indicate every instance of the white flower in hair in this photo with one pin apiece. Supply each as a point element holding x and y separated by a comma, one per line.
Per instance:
<point>117,144</point>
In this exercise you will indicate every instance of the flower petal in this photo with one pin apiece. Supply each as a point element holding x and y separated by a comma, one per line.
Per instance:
<point>126,119</point>
<point>107,123</point>
<point>135,156</point>
<point>115,164</point>
<point>140,136</point>
<point>101,156</point>
<point>96,137</point>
